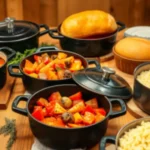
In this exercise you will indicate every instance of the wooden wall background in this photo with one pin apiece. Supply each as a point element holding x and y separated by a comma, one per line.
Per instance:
<point>53,12</point>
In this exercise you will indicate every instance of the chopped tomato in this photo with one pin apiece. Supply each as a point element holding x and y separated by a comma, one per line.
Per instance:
<point>42,102</point>
<point>50,108</point>
<point>101,111</point>
<point>55,96</point>
<point>92,102</point>
<point>74,102</point>
<point>59,66</point>
<point>88,118</point>
<point>89,109</point>
<point>79,107</point>
<point>44,112</point>
<point>76,96</point>
<point>38,58</point>
<point>38,114</point>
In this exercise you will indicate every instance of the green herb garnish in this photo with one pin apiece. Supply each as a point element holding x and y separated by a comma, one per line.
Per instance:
<point>19,56</point>
<point>9,129</point>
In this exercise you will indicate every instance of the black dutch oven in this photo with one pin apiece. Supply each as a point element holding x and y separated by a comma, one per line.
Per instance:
<point>68,138</point>
<point>33,84</point>
<point>93,47</point>
<point>20,35</point>
<point>6,54</point>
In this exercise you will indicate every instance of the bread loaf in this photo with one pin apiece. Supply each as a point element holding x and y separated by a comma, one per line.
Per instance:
<point>133,48</point>
<point>88,23</point>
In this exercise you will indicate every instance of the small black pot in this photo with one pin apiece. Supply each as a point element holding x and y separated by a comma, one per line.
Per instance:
<point>94,47</point>
<point>6,53</point>
<point>141,93</point>
<point>68,138</point>
<point>33,84</point>
<point>21,35</point>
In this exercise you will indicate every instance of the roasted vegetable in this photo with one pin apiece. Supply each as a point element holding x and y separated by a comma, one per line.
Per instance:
<point>66,102</point>
<point>67,117</point>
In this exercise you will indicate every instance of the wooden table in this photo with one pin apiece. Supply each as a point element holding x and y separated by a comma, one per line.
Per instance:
<point>25,138</point>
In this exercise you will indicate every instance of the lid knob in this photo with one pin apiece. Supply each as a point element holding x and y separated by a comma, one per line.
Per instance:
<point>10,24</point>
<point>107,72</point>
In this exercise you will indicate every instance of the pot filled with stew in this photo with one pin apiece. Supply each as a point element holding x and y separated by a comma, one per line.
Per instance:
<point>6,54</point>
<point>21,34</point>
<point>89,33</point>
<point>68,116</point>
<point>49,66</point>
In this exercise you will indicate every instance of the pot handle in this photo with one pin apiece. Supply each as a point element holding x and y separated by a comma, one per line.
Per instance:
<point>46,48</point>
<point>12,73</point>
<point>122,105</point>
<point>121,25</point>
<point>8,51</point>
<point>94,62</point>
<point>51,33</point>
<point>45,31</point>
<point>22,111</point>
<point>105,140</point>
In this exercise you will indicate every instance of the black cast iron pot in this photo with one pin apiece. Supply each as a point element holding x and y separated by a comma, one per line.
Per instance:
<point>93,47</point>
<point>6,54</point>
<point>33,84</point>
<point>20,35</point>
<point>68,138</point>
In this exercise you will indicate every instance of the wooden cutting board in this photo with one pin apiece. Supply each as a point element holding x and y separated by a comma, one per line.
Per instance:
<point>5,92</point>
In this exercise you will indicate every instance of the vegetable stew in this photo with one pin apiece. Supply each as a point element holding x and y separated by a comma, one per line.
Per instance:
<point>68,112</point>
<point>52,67</point>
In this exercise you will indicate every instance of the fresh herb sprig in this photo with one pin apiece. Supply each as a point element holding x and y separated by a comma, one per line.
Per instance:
<point>19,56</point>
<point>9,129</point>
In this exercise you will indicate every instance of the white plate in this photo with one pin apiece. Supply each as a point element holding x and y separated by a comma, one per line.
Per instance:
<point>138,31</point>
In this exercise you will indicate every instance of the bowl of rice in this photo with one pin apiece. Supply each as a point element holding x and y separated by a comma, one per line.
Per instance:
<point>141,88</point>
<point>133,136</point>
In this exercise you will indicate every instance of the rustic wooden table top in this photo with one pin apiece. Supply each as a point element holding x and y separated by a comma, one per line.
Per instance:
<point>25,138</point>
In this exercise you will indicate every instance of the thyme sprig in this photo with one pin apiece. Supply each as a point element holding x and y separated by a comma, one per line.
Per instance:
<point>9,129</point>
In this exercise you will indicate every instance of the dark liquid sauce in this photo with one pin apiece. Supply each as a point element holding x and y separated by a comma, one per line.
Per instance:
<point>2,61</point>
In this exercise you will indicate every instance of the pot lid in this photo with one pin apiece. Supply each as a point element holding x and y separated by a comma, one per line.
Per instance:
<point>11,29</point>
<point>104,82</point>
<point>138,31</point>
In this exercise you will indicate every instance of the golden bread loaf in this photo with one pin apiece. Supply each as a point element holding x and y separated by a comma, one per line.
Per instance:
<point>88,23</point>
<point>133,48</point>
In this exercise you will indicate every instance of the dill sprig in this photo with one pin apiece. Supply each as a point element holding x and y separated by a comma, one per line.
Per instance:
<point>9,129</point>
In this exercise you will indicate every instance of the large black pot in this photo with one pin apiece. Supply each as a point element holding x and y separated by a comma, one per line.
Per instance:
<point>93,47</point>
<point>20,35</point>
<point>33,84</point>
<point>68,138</point>
<point>6,54</point>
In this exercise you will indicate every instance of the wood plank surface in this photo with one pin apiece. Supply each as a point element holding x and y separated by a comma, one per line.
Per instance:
<point>6,91</point>
<point>25,138</point>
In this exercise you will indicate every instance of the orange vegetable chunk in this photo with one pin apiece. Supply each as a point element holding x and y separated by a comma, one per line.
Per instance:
<point>28,64</point>
<point>79,107</point>
<point>88,118</point>
<point>78,118</point>
<point>58,109</point>
<point>92,102</point>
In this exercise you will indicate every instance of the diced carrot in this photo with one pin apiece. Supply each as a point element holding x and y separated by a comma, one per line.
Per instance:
<point>28,64</point>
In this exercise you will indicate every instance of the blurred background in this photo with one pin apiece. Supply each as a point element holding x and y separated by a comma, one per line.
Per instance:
<point>53,12</point>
